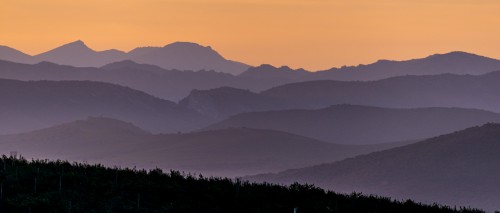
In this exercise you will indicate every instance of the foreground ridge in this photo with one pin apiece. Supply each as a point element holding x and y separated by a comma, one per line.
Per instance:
<point>58,186</point>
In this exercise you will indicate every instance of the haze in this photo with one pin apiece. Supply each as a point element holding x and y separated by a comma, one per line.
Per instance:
<point>301,33</point>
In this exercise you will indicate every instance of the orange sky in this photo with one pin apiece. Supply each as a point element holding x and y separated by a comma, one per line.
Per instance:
<point>314,34</point>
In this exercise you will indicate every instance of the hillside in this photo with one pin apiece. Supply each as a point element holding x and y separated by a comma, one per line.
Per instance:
<point>230,152</point>
<point>78,54</point>
<point>456,169</point>
<point>11,54</point>
<point>30,105</point>
<point>353,124</point>
<point>447,90</point>
<point>154,80</point>
<point>48,186</point>
<point>220,103</point>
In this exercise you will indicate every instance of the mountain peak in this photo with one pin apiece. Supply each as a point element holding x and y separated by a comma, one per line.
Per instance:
<point>75,47</point>
<point>77,43</point>
<point>185,44</point>
<point>456,54</point>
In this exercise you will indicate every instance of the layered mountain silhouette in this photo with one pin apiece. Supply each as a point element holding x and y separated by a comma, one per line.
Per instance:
<point>178,55</point>
<point>353,124</point>
<point>455,169</point>
<point>230,152</point>
<point>10,54</point>
<point>78,54</point>
<point>166,84</point>
<point>446,90</point>
<point>226,101</point>
<point>453,63</point>
<point>186,56</point>
<point>194,57</point>
<point>175,84</point>
<point>36,104</point>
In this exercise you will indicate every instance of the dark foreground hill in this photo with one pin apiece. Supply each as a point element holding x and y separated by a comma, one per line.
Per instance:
<point>229,152</point>
<point>353,124</point>
<point>461,168</point>
<point>43,186</point>
<point>30,105</point>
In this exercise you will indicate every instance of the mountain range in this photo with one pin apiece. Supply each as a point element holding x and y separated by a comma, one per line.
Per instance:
<point>166,84</point>
<point>176,84</point>
<point>354,124</point>
<point>178,55</point>
<point>453,63</point>
<point>30,105</point>
<point>460,168</point>
<point>354,128</point>
<point>229,152</point>
<point>445,90</point>
<point>194,57</point>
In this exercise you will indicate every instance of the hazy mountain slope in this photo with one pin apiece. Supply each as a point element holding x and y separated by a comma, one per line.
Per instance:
<point>10,54</point>
<point>192,56</point>
<point>453,62</point>
<point>178,55</point>
<point>166,84</point>
<point>447,90</point>
<point>226,101</point>
<point>352,124</point>
<point>229,152</point>
<point>37,104</point>
<point>239,151</point>
<point>175,85</point>
<point>187,56</point>
<point>461,168</point>
<point>76,140</point>
<point>80,55</point>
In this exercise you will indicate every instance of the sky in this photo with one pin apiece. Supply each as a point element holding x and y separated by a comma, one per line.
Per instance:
<point>311,34</point>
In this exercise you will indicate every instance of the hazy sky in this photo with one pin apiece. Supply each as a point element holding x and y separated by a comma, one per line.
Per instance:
<point>314,34</point>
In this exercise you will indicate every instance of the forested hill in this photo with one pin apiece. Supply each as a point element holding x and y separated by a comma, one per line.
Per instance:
<point>44,186</point>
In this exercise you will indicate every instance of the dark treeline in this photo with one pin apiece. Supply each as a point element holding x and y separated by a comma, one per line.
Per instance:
<point>57,186</point>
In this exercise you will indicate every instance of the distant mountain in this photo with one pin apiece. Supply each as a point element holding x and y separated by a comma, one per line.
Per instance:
<point>166,84</point>
<point>80,55</point>
<point>453,63</point>
<point>461,168</point>
<point>37,104</point>
<point>178,55</point>
<point>186,56</point>
<point>351,124</point>
<point>446,90</point>
<point>278,75</point>
<point>228,152</point>
<point>76,140</point>
<point>10,54</point>
<point>195,57</point>
<point>223,102</point>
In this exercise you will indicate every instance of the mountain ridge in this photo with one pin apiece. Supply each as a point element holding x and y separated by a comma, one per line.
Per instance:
<point>229,152</point>
<point>342,124</point>
<point>177,55</point>
<point>456,168</point>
